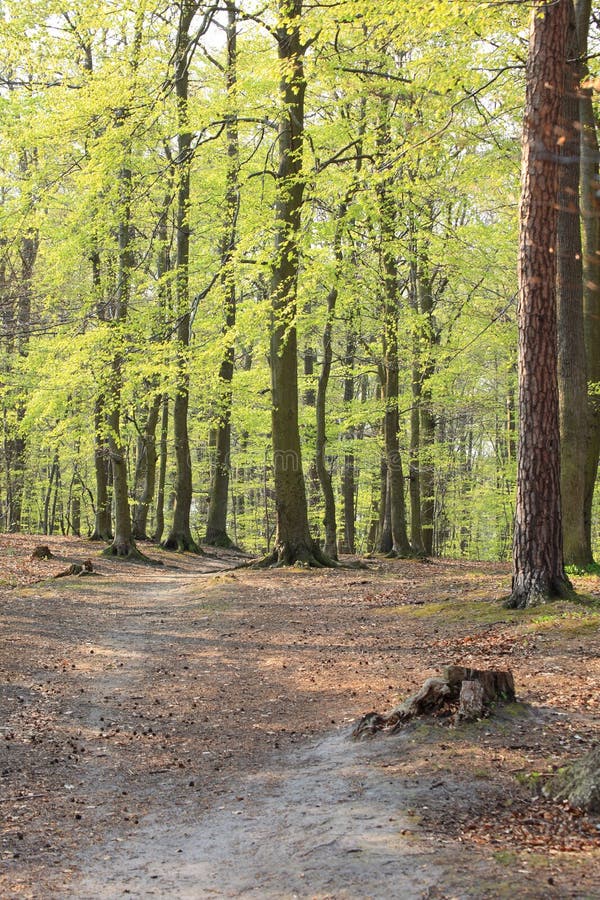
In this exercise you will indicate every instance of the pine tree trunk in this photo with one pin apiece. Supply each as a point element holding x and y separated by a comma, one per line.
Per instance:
<point>572,375</point>
<point>538,571</point>
<point>590,208</point>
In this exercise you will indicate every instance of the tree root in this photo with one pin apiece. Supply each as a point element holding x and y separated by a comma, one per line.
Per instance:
<point>219,539</point>
<point>535,591</point>
<point>461,691</point>
<point>182,543</point>
<point>128,552</point>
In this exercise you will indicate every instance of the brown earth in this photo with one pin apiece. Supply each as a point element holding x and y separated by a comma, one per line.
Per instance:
<point>182,731</point>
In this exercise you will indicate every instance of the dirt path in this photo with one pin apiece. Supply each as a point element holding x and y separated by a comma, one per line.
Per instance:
<point>171,733</point>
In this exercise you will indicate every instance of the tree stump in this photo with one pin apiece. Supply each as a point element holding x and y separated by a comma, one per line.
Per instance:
<point>470,702</point>
<point>460,691</point>
<point>41,552</point>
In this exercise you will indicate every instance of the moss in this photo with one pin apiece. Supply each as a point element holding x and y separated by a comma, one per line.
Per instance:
<point>452,610</point>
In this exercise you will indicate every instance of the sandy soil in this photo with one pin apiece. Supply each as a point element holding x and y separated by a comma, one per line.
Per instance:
<point>183,732</point>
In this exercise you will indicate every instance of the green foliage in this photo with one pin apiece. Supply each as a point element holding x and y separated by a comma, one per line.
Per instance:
<point>89,92</point>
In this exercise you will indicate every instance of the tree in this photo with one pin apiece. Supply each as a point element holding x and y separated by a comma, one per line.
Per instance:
<point>538,571</point>
<point>572,375</point>
<point>180,536</point>
<point>293,541</point>
<point>216,526</point>
<point>590,209</point>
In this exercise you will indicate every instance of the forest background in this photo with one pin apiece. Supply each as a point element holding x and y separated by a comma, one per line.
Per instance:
<point>195,197</point>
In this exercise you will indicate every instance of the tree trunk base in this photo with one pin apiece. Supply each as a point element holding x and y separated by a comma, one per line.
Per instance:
<point>181,543</point>
<point>127,551</point>
<point>97,537</point>
<point>304,556</point>
<point>537,591</point>
<point>220,539</point>
<point>462,692</point>
<point>578,783</point>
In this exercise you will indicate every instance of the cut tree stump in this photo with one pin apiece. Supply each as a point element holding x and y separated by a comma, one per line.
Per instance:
<point>41,552</point>
<point>460,691</point>
<point>470,702</point>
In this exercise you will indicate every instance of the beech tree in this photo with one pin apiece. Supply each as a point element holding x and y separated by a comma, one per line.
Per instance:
<point>293,541</point>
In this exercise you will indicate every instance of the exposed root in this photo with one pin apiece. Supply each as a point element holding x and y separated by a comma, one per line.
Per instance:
<point>219,539</point>
<point>182,543</point>
<point>536,591</point>
<point>128,552</point>
<point>97,537</point>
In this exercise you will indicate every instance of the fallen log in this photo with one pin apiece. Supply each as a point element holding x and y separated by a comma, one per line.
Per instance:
<point>80,569</point>
<point>460,691</point>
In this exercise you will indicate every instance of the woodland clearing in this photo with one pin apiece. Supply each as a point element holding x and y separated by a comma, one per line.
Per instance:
<point>183,731</point>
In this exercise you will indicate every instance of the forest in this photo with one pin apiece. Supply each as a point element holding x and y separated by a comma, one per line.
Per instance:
<point>258,273</point>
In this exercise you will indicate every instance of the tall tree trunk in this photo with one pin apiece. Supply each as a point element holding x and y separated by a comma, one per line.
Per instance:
<point>572,375</point>
<point>145,473</point>
<point>391,312</point>
<point>16,298</point>
<point>216,526</point>
<point>414,465</point>
<point>122,544</point>
<point>162,472</point>
<point>102,519</point>
<point>590,208</point>
<point>293,541</point>
<point>349,469</point>
<point>427,416</point>
<point>180,536</point>
<point>538,571</point>
<point>329,519</point>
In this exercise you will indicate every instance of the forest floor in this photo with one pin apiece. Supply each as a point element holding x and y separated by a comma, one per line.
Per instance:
<point>183,731</point>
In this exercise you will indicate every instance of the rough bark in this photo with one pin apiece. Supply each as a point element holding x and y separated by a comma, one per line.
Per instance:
<point>538,571</point>
<point>578,784</point>
<point>590,209</point>
<point>572,376</point>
